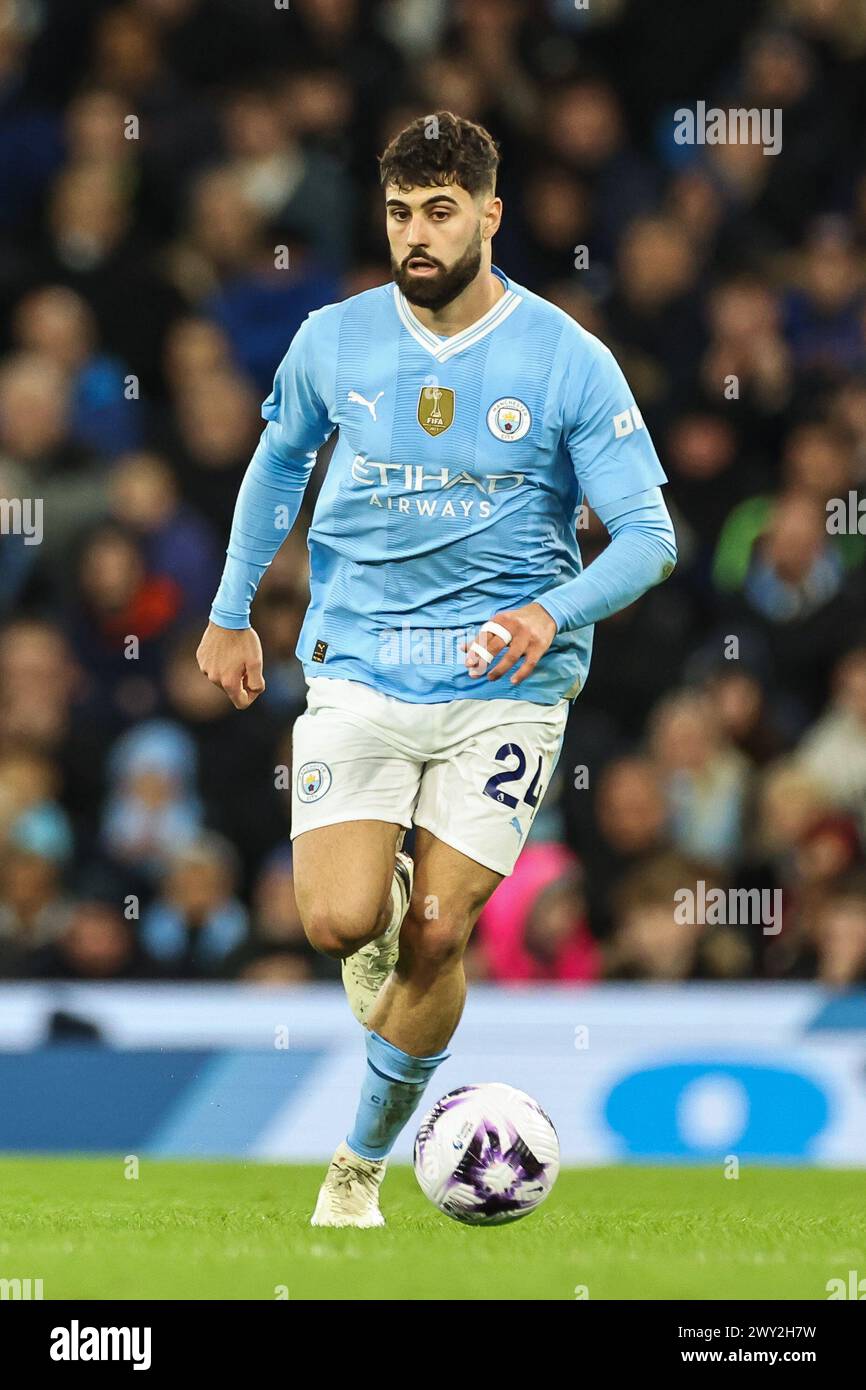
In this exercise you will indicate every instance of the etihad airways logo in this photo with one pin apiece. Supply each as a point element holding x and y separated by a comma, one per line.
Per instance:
<point>411,478</point>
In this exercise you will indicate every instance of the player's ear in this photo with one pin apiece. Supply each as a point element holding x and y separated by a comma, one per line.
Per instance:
<point>491,216</point>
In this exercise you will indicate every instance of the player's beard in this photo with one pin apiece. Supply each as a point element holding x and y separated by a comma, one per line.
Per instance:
<point>439,289</point>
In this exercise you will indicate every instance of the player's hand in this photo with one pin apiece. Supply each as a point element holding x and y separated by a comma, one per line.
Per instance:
<point>232,659</point>
<point>532,630</point>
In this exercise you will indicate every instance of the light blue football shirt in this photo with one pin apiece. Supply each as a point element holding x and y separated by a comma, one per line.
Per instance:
<point>453,490</point>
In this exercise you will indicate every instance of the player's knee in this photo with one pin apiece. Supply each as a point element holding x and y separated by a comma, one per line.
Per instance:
<point>338,932</point>
<point>434,945</point>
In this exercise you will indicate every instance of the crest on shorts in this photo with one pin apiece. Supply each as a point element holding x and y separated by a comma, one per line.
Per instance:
<point>435,409</point>
<point>314,779</point>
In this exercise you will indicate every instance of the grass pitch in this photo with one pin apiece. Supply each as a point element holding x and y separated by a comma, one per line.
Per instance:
<point>196,1230</point>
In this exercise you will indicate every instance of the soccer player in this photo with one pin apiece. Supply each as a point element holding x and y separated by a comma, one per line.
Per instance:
<point>450,622</point>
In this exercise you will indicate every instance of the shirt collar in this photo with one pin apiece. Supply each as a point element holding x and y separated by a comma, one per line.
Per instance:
<point>441,347</point>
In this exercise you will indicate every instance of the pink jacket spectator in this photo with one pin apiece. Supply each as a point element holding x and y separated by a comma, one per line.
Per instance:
<point>503,923</point>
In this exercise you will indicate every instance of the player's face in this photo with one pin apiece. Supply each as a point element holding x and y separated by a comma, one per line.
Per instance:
<point>436,237</point>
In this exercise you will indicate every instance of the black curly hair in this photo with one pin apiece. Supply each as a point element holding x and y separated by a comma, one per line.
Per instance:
<point>441,149</point>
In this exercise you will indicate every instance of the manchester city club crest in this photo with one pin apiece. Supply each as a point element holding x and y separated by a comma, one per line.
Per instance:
<point>509,418</point>
<point>314,779</point>
<point>435,409</point>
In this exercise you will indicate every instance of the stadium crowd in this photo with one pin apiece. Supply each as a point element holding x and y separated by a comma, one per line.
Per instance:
<point>181,182</point>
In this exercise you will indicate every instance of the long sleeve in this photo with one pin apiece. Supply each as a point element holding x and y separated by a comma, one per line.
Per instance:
<point>642,552</point>
<point>273,487</point>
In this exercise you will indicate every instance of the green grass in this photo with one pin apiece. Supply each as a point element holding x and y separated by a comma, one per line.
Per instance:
<point>194,1230</point>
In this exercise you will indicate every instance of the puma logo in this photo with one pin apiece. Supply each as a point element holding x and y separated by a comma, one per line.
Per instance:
<point>355,398</point>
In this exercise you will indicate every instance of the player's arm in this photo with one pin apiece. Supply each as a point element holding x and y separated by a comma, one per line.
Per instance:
<point>619,473</point>
<point>642,553</point>
<point>269,500</point>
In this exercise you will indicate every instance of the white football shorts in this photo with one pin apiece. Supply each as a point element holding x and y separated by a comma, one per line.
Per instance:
<point>472,772</point>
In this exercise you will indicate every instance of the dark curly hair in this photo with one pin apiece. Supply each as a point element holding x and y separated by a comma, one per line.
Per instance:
<point>440,149</point>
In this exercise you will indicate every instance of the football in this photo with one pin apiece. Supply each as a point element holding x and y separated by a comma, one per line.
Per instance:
<point>486,1154</point>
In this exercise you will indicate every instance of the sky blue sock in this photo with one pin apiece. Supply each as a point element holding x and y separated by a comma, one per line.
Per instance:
<point>393,1085</point>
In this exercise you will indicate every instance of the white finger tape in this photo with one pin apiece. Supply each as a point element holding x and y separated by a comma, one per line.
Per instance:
<point>498,631</point>
<point>477,648</point>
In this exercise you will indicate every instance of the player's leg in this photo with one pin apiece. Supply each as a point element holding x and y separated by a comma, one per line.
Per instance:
<point>343,875</point>
<point>420,1006</point>
<point>476,803</point>
<point>413,1018</point>
<point>348,898</point>
<point>354,786</point>
<point>353,888</point>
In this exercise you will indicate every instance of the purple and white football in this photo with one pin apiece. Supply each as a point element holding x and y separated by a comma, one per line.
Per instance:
<point>486,1154</point>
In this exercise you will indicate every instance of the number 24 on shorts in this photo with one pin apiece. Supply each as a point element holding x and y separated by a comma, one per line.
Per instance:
<point>493,786</point>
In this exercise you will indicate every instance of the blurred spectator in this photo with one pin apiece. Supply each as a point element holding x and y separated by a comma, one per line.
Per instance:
<point>823,318</point>
<point>33,910</point>
<point>97,944</point>
<point>178,544</point>
<point>30,145</point>
<point>817,463</point>
<point>217,430</point>
<point>195,348</point>
<point>93,249</point>
<point>834,950</point>
<point>650,943</point>
<point>654,312</point>
<point>30,817</point>
<point>834,749</point>
<point>846,412</point>
<point>557,220</point>
<point>776,196</point>
<point>230,261</point>
<point>706,779</point>
<point>242,767</point>
<point>36,440</point>
<point>828,850</point>
<point>587,132</point>
<point>797,597</point>
<point>152,806</point>
<point>736,692</point>
<point>288,184</point>
<point>791,803</point>
<point>534,927</point>
<point>34,414</point>
<point>118,622</point>
<point>794,573</point>
<point>703,450</point>
<point>196,922</point>
<point>222,237</point>
<point>105,413</point>
<point>41,707</point>
<point>747,359</point>
<point>630,825</point>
